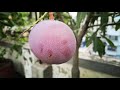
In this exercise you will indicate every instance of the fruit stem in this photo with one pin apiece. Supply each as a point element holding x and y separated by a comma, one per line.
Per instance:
<point>51,17</point>
<point>35,23</point>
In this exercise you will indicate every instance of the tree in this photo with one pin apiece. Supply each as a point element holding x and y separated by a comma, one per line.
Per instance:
<point>98,45</point>
<point>14,23</point>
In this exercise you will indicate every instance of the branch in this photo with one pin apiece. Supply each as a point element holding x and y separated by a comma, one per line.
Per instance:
<point>82,32</point>
<point>5,44</point>
<point>34,23</point>
<point>109,14</point>
<point>104,25</point>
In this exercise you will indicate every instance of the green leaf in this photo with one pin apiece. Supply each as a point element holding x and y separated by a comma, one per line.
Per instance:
<point>17,48</point>
<point>80,17</point>
<point>66,15</point>
<point>104,20</point>
<point>2,35</point>
<point>117,25</point>
<point>5,23</point>
<point>94,43</point>
<point>98,46</point>
<point>88,41</point>
<point>5,13</point>
<point>110,42</point>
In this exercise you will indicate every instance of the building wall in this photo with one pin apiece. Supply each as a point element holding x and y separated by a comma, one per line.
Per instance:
<point>112,32</point>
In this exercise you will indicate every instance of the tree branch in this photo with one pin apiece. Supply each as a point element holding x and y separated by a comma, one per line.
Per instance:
<point>5,44</point>
<point>104,25</point>
<point>35,23</point>
<point>82,32</point>
<point>79,36</point>
<point>109,14</point>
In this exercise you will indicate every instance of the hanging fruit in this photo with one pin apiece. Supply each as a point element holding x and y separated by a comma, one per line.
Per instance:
<point>52,41</point>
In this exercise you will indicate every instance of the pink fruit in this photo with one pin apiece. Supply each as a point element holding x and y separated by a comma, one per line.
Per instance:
<point>53,42</point>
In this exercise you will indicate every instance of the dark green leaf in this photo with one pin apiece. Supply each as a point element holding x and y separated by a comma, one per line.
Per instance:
<point>104,20</point>
<point>5,23</point>
<point>98,46</point>
<point>95,43</point>
<point>17,48</point>
<point>117,25</point>
<point>88,41</point>
<point>110,42</point>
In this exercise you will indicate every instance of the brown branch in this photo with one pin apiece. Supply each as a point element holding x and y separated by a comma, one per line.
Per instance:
<point>109,14</point>
<point>82,32</point>
<point>104,25</point>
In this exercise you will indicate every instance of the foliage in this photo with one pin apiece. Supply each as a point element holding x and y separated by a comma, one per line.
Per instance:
<point>14,23</point>
<point>98,44</point>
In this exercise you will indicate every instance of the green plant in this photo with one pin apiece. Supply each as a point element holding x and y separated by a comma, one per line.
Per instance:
<point>12,24</point>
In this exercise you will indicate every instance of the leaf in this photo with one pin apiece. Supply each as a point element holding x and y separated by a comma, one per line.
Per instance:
<point>98,46</point>
<point>117,25</point>
<point>66,15</point>
<point>110,42</point>
<point>80,17</point>
<point>5,13</point>
<point>94,43</point>
<point>5,23</point>
<point>17,48</point>
<point>2,35</point>
<point>88,41</point>
<point>104,20</point>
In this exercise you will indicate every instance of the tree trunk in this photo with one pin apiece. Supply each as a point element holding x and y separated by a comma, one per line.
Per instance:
<point>79,36</point>
<point>75,68</point>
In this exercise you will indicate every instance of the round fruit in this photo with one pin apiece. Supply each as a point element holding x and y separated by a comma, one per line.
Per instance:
<point>52,41</point>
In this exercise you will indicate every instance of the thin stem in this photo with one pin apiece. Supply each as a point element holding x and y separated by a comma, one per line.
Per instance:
<point>104,25</point>
<point>35,23</point>
<point>36,15</point>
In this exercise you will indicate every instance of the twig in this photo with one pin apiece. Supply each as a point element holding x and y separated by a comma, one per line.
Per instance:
<point>104,25</point>
<point>35,23</point>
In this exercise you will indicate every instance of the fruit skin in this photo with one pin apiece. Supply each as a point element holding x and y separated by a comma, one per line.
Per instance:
<point>52,41</point>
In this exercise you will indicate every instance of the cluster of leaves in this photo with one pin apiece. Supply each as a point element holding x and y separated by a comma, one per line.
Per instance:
<point>14,23</point>
<point>98,43</point>
<point>11,25</point>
